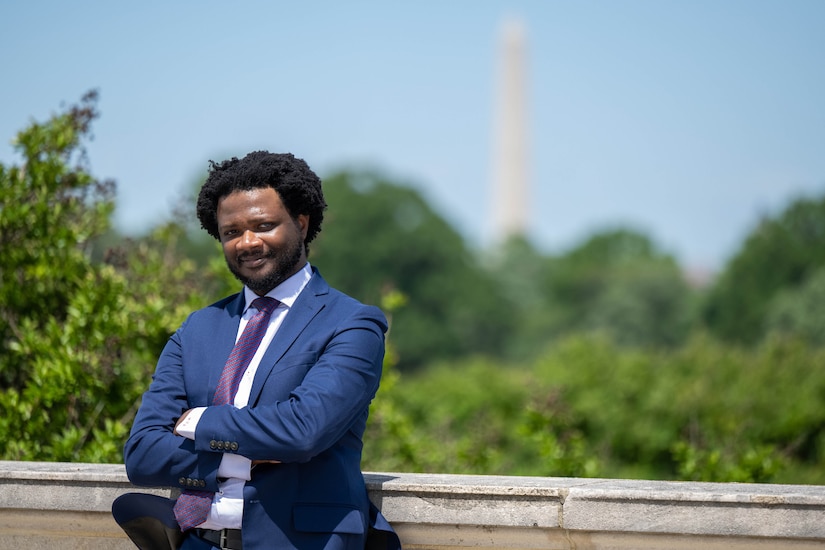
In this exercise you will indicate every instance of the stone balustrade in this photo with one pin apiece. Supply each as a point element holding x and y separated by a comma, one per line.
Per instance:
<point>66,505</point>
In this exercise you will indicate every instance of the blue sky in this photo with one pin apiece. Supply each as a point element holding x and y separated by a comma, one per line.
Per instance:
<point>685,119</point>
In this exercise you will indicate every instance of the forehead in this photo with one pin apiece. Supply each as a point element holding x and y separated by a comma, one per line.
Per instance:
<point>263,201</point>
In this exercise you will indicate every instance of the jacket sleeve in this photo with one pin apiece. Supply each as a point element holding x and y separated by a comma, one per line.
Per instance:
<point>333,396</point>
<point>153,454</point>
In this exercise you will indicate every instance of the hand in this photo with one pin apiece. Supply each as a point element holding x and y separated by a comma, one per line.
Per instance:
<point>181,419</point>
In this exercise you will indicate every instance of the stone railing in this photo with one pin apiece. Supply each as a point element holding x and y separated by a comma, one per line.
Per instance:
<point>66,506</point>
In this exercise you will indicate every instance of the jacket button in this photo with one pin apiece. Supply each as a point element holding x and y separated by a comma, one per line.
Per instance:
<point>234,446</point>
<point>213,444</point>
<point>181,481</point>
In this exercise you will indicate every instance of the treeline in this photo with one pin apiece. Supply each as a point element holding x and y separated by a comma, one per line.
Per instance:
<point>514,301</point>
<point>598,361</point>
<point>589,407</point>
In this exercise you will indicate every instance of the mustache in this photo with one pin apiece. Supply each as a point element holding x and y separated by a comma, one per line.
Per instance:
<point>244,256</point>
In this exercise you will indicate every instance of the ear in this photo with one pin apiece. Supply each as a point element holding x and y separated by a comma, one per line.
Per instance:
<point>303,223</point>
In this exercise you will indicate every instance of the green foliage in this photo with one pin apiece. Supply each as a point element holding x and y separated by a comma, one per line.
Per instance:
<point>616,283</point>
<point>590,407</point>
<point>390,429</point>
<point>797,311</point>
<point>756,465</point>
<point>46,201</point>
<point>380,237</point>
<point>520,272</point>
<point>78,338</point>
<point>588,363</point>
<point>781,254</point>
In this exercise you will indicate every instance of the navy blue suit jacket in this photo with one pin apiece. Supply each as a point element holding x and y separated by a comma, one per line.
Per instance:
<point>307,409</point>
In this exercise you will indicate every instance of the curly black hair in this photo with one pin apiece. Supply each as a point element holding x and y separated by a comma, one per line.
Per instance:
<point>296,184</point>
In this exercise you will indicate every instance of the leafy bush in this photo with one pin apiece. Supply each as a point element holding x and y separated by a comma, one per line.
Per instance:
<point>78,338</point>
<point>589,407</point>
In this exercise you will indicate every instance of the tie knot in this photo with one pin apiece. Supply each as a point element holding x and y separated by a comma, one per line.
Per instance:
<point>265,304</point>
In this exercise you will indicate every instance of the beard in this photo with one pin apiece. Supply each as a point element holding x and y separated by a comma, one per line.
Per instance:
<point>285,265</point>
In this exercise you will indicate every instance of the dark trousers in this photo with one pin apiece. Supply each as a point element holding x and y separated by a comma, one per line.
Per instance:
<point>150,522</point>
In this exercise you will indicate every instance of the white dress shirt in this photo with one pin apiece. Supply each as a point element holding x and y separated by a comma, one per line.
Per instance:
<point>227,504</point>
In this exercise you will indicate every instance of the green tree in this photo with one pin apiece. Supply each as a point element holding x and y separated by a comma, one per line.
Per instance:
<point>780,254</point>
<point>78,338</point>
<point>588,407</point>
<point>521,272</point>
<point>380,237</point>
<point>619,283</point>
<point>49,213</point>
<point>797,311</point>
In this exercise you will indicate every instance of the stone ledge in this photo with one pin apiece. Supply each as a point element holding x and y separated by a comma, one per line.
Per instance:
<point>66,504</point>
<point>755,510</point>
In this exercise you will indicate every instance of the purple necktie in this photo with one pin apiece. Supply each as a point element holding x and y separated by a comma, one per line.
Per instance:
<point>192,507</point>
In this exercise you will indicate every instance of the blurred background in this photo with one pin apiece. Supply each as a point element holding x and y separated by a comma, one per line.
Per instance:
<point>688,120</point>
<point>598,227</point>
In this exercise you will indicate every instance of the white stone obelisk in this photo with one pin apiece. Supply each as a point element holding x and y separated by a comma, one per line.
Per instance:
<point>510,141</point>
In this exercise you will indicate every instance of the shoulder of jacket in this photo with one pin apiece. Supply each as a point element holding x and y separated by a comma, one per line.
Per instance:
<point>219,308</point>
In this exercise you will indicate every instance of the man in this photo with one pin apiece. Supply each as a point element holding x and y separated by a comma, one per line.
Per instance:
<point>259,402</point>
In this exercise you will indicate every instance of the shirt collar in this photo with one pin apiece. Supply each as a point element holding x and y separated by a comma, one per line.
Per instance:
<point>286,292</point>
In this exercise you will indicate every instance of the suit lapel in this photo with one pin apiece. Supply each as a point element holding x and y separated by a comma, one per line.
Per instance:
<point>308,304</point>
<point>225,335</point>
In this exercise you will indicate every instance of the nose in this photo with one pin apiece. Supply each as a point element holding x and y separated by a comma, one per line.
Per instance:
<point>249,239</point>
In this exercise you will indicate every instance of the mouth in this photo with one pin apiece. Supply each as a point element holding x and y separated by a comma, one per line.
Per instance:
<point>251,262</point>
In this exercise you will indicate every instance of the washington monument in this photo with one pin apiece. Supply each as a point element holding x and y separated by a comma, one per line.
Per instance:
<point>510,148</point>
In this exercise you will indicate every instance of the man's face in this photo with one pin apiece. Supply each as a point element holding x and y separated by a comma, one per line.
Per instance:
<point>262,243</point>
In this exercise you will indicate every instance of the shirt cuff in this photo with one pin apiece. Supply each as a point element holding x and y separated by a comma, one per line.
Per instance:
<point>235,466</point>
<point>188,425</point>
